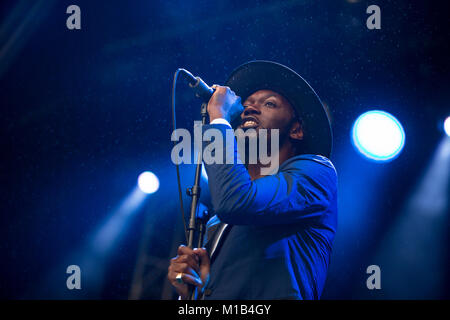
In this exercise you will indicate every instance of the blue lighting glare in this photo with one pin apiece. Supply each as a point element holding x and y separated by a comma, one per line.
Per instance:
<point>378,135</point>
<point>204,174</point>
<point>447,126</point>
<point>148,182</point>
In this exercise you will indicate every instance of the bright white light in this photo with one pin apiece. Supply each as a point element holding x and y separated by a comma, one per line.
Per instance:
<point>447,126</point>
<point>148,182</point>
<point>204,174</point>
<point>378,135</point>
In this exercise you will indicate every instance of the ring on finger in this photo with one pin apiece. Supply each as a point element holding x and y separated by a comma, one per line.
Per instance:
<point>179,278</point>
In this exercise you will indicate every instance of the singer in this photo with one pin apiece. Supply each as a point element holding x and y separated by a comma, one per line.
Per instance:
<point>271,236</point>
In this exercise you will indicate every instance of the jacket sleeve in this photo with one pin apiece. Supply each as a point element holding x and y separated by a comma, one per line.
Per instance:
<point>303,189</point>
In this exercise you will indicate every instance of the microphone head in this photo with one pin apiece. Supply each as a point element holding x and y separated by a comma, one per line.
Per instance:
<point>201,89</point>
<point>189,76</point>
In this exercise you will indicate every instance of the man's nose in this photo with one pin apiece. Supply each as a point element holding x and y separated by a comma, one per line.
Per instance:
<point>250,109</point>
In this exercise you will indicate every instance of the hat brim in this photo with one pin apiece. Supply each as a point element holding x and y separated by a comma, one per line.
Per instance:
<point>267,75</point>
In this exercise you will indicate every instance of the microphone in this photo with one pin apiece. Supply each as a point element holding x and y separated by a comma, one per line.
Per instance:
<point>201,89</point>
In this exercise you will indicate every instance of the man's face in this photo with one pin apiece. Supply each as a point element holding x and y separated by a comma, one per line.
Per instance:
<point>266,109</point>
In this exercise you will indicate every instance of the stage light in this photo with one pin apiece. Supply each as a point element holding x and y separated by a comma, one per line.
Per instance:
<point>148,182</point>
<point>447,126</point>
<point>378,135</point>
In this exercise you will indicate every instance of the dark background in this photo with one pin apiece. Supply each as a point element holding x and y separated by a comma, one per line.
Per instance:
<point>84,112</point>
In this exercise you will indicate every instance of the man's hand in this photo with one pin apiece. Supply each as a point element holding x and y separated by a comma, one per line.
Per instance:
<point>194,266</point>
<point>224,103</point>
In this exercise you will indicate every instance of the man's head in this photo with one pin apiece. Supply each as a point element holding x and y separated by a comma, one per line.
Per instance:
<point>266,109</point>
<point>256,77</point>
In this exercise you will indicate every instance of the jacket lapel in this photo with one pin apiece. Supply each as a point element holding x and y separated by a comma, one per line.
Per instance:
<point>215,233</point>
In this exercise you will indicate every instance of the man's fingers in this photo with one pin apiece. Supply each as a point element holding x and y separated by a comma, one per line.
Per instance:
<point>175,269</point>
<point>183,250</point>
<point>183,268</point>
<point>188,279</point>
<point>185,264</point>
<point>220,89</point>
<point>203,255</point>
<point>191,260</point>
<point>204,264</point>
<point>188,276</point>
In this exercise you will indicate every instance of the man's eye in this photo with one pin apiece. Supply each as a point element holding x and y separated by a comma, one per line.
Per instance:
<point>270,104</point>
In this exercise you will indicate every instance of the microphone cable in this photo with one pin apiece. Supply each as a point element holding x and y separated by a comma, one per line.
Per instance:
<point>174,126</point>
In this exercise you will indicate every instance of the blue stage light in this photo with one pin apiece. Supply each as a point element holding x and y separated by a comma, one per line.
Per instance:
<point>447,126</point>
<point>148,182</point>
<point>378,135</point>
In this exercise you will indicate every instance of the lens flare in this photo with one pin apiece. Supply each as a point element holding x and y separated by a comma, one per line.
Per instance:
<point>447,126</point>
<point>378,135</point>
<point>148,182</point>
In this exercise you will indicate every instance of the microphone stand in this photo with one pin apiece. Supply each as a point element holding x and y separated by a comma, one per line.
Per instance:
<point>196,225</point>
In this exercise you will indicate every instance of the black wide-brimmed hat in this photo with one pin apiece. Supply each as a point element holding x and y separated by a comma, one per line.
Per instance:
<point>267,75</point>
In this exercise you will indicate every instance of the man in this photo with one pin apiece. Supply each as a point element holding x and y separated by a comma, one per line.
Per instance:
<point>271,237</point>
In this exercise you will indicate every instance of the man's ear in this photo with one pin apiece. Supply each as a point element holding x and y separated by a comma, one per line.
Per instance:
<point>296,131</point>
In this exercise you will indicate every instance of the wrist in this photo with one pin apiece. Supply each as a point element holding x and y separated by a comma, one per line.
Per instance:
<point>218,116</point>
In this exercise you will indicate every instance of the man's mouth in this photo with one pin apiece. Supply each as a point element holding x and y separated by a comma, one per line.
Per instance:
<point>249,122</point>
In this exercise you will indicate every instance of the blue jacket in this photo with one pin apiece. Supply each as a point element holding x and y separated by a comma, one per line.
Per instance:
<point>280,228</point>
